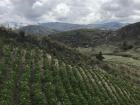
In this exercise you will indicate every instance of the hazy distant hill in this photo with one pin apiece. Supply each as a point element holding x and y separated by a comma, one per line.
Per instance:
<point>62,26</point>
<point>37,30</point>
<point>107,26</point>
<point>66,26</point>
<point>53,27</point>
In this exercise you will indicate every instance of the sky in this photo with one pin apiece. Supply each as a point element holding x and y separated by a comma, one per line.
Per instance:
<point>69,11</point>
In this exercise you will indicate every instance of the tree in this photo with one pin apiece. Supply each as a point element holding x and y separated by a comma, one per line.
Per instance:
<point>126,46</point>
<point>100,56</point>
<point>21,36</point>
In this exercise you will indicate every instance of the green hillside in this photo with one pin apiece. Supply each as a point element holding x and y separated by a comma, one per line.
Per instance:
<point>39,71</point>
<point>121,48</point>
<point>82,37</point>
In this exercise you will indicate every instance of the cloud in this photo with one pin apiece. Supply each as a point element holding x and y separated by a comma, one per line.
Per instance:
<point>72,11</point>
<point>123,10</point>
<point>5,6</point>
<point>61,10</point>
<point>37,4</point>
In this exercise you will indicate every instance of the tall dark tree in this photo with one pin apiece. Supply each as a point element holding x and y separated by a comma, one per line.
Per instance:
<point>21,36</point>
<point>126,46</point>
<point>100,56</point>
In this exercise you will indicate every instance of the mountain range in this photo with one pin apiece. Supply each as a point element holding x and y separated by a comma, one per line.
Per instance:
<point>124,41</point>
<point>53,27</point>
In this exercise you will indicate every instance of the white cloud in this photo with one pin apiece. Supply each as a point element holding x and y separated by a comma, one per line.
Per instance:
<point>61,10</point>
<point>74,11</point>
<point>37,4</point>
<point>137,1</point>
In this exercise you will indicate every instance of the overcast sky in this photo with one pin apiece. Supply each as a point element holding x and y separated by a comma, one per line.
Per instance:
<point>70,11</point>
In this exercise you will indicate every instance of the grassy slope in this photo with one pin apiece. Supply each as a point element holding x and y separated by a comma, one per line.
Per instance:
<point>90,42</point>
<point>82,37</point>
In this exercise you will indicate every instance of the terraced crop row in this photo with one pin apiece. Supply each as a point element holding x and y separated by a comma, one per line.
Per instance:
<point>33,77</point>
<point>130,72</point>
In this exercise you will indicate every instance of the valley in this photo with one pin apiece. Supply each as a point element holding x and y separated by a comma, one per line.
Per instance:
<point>116,47</point>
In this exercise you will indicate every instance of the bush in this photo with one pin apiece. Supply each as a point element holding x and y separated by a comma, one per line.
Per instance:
<point>100,56</point>
<point>125,46</point>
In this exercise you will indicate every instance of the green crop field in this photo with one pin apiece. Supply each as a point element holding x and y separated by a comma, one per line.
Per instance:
<point>33,77</point>
<point>32,73</point>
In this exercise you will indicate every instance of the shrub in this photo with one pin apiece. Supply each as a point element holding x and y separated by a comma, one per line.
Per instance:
<point>125,46</point>
<point>100,56</point>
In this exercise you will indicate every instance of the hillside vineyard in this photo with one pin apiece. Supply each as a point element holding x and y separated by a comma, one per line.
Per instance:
<point>33,77</point>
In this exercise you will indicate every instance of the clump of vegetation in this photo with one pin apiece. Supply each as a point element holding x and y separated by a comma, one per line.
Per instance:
<point>21,36</point>
<point>100,56</point>
<point>126,46</point>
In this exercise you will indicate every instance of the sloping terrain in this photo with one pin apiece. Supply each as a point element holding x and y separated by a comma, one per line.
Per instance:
<point>129,33</point>
<point>107,26</point>
<point>118,47</point>
<point>67,26</point>
<point>33,73</point>
<point>37,30</point>
<point>62,26</point>
<point>124,42</point>
<point>82,37</point>
<point>55,27</point>
<point>94,37</point>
